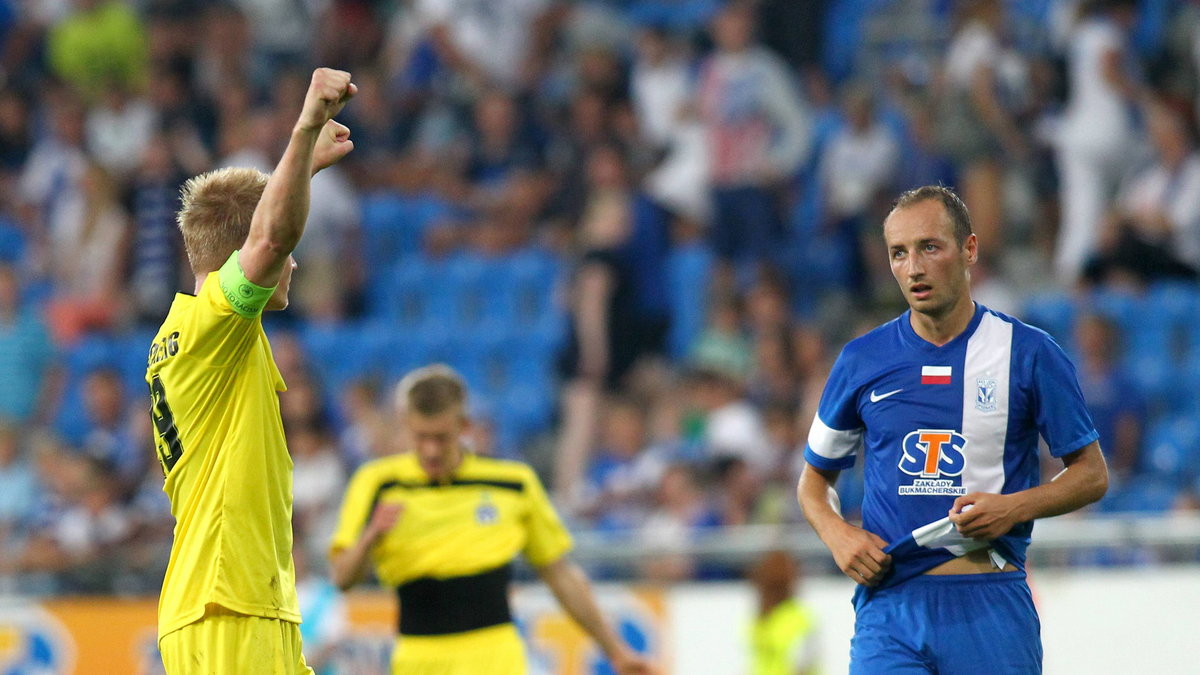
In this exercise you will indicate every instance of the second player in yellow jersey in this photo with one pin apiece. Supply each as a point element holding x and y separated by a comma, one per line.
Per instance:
<point>443,526</point>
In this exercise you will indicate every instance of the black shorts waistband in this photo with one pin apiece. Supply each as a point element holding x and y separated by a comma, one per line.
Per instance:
<point>431,606</point>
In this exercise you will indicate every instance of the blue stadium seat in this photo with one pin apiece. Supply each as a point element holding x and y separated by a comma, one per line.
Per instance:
<point>1159,380</point>
<point>1171,449</point>
<point>132,351</point>
<point>414,346</point>
<point>394,225</point>
<point>1122,308</point>
<point>526,288</point>
<point>1053,312</point>
<point>1142,494</point>
<point>340,353</point>
<point>484,359</point>
<point>466,290</point>
<point>91,353</point>
<point>416,293</point>
<point>526,410</point>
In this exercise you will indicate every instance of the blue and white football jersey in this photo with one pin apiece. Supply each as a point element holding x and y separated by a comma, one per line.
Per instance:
<point>934,423</point>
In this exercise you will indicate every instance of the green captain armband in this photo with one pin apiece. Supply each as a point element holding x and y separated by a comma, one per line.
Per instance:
<point>245,297</point>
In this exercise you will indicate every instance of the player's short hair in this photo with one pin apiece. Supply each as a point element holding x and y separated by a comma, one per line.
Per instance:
<point>431,391</point>
<point>960,220</point>
<point>215,212</point>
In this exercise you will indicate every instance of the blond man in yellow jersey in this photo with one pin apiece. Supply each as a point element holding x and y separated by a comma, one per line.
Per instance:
<point>228,604</point>
<point>443,526</point>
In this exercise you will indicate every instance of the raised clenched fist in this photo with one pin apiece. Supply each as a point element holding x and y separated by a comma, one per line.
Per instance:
<point>327,95</point>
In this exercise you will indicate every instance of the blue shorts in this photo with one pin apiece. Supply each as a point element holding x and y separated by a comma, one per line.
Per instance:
<point>949,624</point>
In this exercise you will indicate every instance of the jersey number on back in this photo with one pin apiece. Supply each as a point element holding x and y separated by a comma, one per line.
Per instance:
<point>169,448</point>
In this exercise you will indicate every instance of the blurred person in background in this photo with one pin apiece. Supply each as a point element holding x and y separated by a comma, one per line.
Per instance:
<point>1113,396</point>
<point>783,637</point>
<point>857,168</point>
<point>732,426</point>
<point>83,542</point>
<point>156,246</point>
<point>89,249</point>
<point>961,394</point>
<point>977,125</point>
<point>737,490</point>
<point>111,433</point>
<point>758,133</point>
<point>443,526</point>
<point>318,481</point>
<point>608,331</point>
<point>53,174</point>
<point>222,56</point>
<point>19,486</point>
<point>500,147</point>
<point>487,42</point>
<point>682,512</point>
<point>326,618</point>
<point>29,376</point>
<point>624,471</point>
<point>99,43</point>
<point>1153,231</point>
<point>228,601</point>
<point>366,433</point>
<point>661,92</point>
<point>302,406</point>
<point>1097,133</point>
<point>924,162</point>
<point>281,33</point>
<point>724,343</point>
<point>16,129</point>
<point>119,126</point>
<point>777,500</point>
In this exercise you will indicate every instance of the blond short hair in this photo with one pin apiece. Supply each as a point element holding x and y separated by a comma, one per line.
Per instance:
<point>431,391</point>
<point>215,212</point>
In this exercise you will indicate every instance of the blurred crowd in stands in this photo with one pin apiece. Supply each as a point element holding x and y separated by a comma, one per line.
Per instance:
<point>641,229</point>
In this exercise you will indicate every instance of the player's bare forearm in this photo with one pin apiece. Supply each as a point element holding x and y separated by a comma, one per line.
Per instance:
<point>857,552</point>
<point>818,500</point>
<point>279,218</point>
<point>347,567</point>
<point>1082,482</point>
<point>571,588</point>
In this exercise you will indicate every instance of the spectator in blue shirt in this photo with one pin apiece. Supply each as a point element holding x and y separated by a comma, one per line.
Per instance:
<point>26,355</point>
<point>1113,398</point>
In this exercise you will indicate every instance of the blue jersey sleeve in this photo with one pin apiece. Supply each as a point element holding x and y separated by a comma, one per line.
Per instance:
<point>836,435</point>
<point>1061,413</point>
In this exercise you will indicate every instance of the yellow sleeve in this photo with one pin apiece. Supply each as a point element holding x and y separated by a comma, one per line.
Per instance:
<point>357,505</point>
<point>219,334</point>
<point>548,537</point>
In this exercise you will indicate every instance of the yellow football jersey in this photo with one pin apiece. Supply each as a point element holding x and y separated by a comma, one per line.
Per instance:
<point>218,434</point>
<point>490,512</point>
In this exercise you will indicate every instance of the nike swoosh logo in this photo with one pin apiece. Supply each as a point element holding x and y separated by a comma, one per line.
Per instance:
<point>877,399</point>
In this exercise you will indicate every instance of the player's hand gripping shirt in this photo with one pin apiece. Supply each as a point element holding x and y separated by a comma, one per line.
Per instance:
<point>449,553</point>
<point>934,423</point>
<point>218,434</point>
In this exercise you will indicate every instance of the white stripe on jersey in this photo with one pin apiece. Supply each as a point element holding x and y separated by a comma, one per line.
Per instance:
<point>943,534</point>
<point>831,443</point>
<point>985,403</point>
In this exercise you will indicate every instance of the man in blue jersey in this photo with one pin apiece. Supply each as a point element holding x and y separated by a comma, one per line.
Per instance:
<point>946,403</point>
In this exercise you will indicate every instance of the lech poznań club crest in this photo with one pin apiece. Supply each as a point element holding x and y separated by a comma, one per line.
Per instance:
<point>985,395</point>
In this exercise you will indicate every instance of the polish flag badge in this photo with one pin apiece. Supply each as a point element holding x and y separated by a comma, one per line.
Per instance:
<point>935,374</point>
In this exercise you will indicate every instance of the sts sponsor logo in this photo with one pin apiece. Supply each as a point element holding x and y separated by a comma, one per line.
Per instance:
<point>935,458</point>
